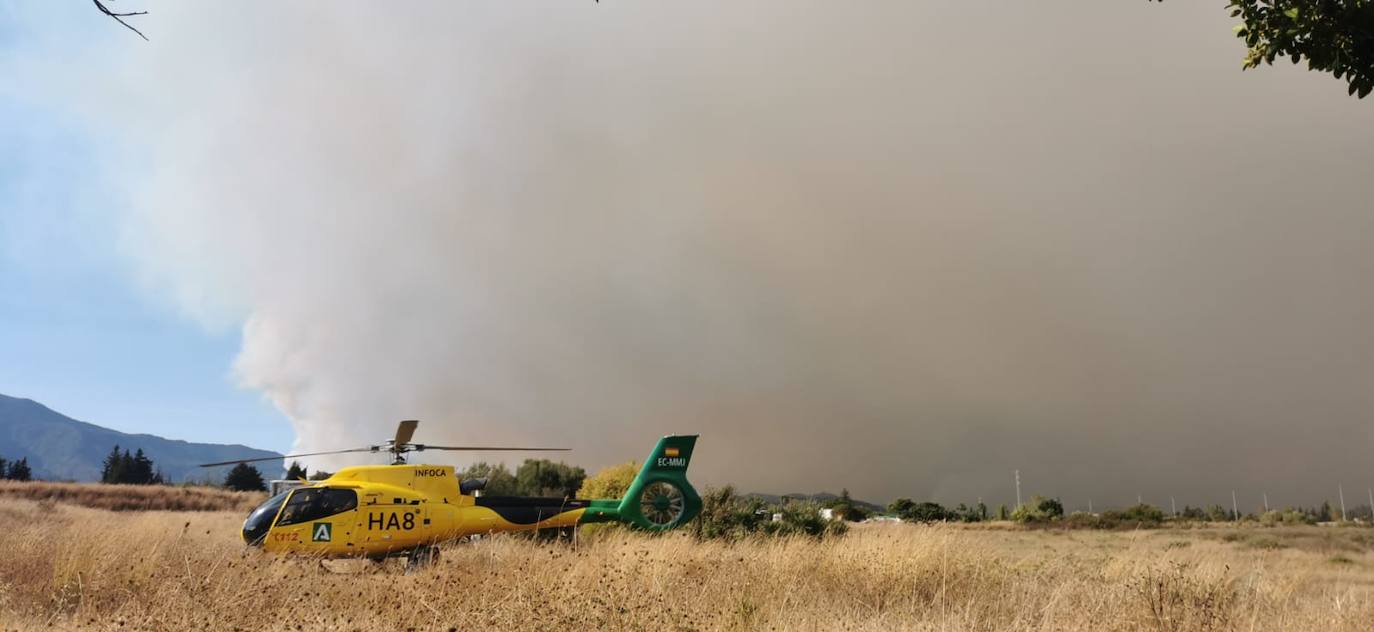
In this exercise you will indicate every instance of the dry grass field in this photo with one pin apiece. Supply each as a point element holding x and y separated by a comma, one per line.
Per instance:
<point>133,497</point>
<point>70,567</point>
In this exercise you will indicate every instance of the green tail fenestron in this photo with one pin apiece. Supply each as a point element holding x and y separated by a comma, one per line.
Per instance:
<point>660,498</point>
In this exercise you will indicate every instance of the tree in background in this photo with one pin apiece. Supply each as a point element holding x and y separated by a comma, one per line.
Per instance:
<point>927,512</point>
<point>112,469</point>
<point>964,513</point>
<point>1051,507</point>
<point>843,507</point>
<point>245,478</point>
<point>320,475</point>
<point>900,507</point>
<point>1335,36</point>
<point>19,470</point>
<point>1217,513</point>
<point>610,482</point>
<point>123,468</point>
<point>500,482</point>
<point>541,477</point>
<point>141,471</point>
<point>4,466</point>
<point>295,472</point>
<point>1039,509</point>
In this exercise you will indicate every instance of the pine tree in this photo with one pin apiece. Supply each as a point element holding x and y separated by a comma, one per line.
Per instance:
<point>296,471</point>
<point>126,467</point>
<point>245,478</point>
<point>112,467</point>
<point>4,468</point>
<point>19,470</point>
<point>141,472</point>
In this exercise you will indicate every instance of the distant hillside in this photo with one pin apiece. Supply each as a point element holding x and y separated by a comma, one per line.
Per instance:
<point>820,497</point>
<point>61,448</point>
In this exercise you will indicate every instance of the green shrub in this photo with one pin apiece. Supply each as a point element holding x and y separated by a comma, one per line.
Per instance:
<point>726,515</point>
<point>1039,509</point>
<point>1143,514</point>
<point>926,512</point>
<point>1285,517</point>
<point>1082,520</point>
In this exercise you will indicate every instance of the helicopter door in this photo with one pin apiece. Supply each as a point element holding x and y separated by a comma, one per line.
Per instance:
<point>317,519</point>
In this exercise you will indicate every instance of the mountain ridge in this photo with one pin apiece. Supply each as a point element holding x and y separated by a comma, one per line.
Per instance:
<point>59,447</point>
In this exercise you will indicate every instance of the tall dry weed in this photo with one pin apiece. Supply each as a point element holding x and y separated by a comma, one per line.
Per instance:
<point>133,497</point>
<point>80,568</point>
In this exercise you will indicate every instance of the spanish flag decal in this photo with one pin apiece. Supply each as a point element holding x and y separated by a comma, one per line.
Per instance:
<point>670,452</point>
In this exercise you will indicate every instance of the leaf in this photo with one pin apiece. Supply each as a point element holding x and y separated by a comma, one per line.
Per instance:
<point>1292,13</point>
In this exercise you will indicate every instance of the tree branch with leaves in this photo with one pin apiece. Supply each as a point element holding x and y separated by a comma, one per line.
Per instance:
<point>1335,36</point>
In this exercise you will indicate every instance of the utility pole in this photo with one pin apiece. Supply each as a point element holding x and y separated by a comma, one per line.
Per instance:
<point>1173,506</point>
<point>1018,489</point>
<point>1266,501</point>
<point>1090,505</point>
<point>1341,491</point>
<point>1138,501</point>
<point>1235,513</point>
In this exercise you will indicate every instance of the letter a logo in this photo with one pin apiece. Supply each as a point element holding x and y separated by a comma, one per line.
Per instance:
<point>323,532</point>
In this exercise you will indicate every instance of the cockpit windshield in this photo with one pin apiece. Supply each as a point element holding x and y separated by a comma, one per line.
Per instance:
<point>314,503</point>
<point>260,521</point>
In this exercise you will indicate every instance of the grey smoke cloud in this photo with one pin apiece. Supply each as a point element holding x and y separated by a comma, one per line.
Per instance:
<point>901,247</point>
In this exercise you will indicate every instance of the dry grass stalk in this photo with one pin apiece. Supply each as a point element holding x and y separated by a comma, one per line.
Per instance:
<point>79,568</point>
<point>133,497</point>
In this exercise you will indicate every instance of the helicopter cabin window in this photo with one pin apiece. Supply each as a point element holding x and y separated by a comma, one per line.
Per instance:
<point>315,503</point>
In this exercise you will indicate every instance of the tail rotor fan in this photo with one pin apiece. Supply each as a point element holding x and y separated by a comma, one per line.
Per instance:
<point>662,504</point>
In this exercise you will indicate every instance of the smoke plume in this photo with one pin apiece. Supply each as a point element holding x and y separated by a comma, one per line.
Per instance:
<point>903,248</point>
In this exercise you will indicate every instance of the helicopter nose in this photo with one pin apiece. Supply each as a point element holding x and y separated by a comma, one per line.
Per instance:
<point>254,537</point>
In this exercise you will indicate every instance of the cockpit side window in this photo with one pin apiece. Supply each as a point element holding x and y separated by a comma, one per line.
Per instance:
<point>314,503</point>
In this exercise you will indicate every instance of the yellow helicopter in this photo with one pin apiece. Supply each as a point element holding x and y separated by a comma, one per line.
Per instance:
<point>379,511</point>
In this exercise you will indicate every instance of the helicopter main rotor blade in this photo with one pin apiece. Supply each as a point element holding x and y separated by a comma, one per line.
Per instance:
<point>405,430</point>
<point>482,448</point>
<point>287,456</point>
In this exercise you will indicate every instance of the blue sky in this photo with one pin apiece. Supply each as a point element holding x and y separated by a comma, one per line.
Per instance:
<point>77,332</point>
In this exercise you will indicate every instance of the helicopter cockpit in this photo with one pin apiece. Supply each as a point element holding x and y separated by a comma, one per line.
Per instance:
<point>301,505</point>
<point>260,521</point>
